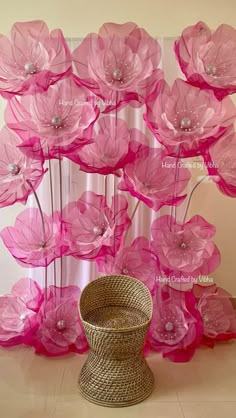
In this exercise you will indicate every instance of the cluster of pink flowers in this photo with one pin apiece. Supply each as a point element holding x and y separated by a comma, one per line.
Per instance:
<point>53,111</point>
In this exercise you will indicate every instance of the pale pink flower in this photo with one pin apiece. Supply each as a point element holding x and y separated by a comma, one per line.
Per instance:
<point>32,59</point>
<point>33,243</point>
<point>176,329</point>
<point>17,312</point>
<point>19,174</point>
<point>186,119</point>
<point>92,228</point>
<point>186,248</point>
<point>61,116</point>
<point>136,260</point>
<point>153,178</point>
<point>218,313</point>
<point>109,150</point>
<point>208,59</point>
<point>221,164</point>
<point>119,64</point>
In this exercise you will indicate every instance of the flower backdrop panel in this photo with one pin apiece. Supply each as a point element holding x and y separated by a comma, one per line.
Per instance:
<point>103,140</point>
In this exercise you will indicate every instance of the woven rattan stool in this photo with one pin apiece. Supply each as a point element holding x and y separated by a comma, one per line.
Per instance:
<point>116,312</point>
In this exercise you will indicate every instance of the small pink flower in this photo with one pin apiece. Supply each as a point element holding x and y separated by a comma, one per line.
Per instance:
<point>186,248</point>
<point>218,313</point>
<point>208,59</point>
<point>60,330</point>
<point>61,116</point>
<point>135,260</point>
<point>17,312</point>
<point>176,329</point>
<point>109,150</point>
<point>186,119</point>
<point>19,174</point>
<point>32,59</point>
<point>119,64</point>
<point>92,228</point>
<point>152,178</point>
<point>221,164</point>
<point>32,243</point>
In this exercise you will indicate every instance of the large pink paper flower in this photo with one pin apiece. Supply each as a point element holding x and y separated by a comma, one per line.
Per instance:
<point>186,248</point>
<point>19,174</point>
<point>155,178</point>
<point>32,59</point>
<point>61,116</point>
<point>221,163</point>
<point>186,119</point>
<point>32,242</point>
<point>109,150</point>
<point>60,329</point>
<point>208,59</point>
<point>92,228</point>
<point>218,313</point>
<point>176,329</point>
<point>119,64</point>
<point>17,312</point>
<point>135,260</point>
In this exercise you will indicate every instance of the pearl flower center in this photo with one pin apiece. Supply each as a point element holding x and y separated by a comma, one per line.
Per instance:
<point>56,121</point>
<point>185,123</point>
<point>169,326</point>
<point>97,230</point>
<point>22,317</point>
<point>211,70</point>
<point>125,271</point>
<point>61,324</point>
<point>183,245</point>
<point>30,68</point>
<point>117,74</point>
<point>13,169</point>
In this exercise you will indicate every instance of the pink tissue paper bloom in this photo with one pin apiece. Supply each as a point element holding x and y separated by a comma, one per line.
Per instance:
<point>61,117</point>
<point>32,59</point>
<point>32,243</point>
<point>110,149</point>
<point>119,64</point>
<point>218,313</point>
<point>185,248</point>
<point>186,119</point>
<point>19,174</point>
<point>208,58</point>
<point>221,164</point>
<point>60,329</point>
<point>92,228</point>
<point>176,329</point>
<point>136,260</point>
<point>18,312</point>
<point>155,178</point>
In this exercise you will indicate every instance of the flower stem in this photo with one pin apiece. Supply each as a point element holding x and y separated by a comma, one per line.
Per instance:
<point>190,197</point>
<point>60,196</point>
<point>52,210</point>
<point>131,220</point>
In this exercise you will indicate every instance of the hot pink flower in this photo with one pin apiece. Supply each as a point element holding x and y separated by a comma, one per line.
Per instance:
<point>119,64</point>
<point>152,178</point>
<point>176,329</point>
<point>135,260</point>
<point>17,312</point>
<point>186,119</point>
<point>92,228</point>
<point>19,174</point>
<point>31,243</point>
<point>61,116</point>
<point>60,329</point>
<point>186,248</point>
<point>109,150</point>
<point>218,313</point>
<point>208,59</point>
<point>221,164</point>
<point>32,59</point>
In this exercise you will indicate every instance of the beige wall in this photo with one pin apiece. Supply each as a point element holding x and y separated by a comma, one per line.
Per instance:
<point>159,17</point>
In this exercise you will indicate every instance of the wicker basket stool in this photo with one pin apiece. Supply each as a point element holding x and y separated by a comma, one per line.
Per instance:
<point>116,312</point>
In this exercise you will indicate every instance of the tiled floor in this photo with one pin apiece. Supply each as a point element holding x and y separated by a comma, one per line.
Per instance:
<point>37,387</point>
